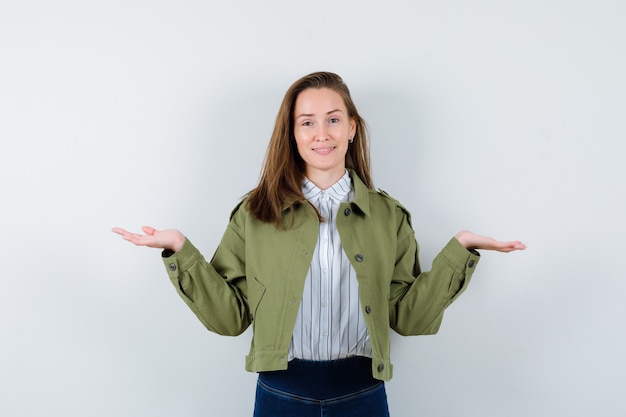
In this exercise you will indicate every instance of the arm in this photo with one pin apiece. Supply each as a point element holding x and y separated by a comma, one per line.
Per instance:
<point>216,291</point>
<point>419,298</point>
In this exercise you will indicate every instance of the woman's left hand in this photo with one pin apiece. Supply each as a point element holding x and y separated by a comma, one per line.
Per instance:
<point>471,240</point>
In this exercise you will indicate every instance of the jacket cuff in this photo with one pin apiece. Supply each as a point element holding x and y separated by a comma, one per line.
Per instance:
<point>180,261</point>
<point>460,257</point>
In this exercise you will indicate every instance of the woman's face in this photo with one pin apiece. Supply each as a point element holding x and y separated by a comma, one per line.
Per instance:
<point>322,129</point>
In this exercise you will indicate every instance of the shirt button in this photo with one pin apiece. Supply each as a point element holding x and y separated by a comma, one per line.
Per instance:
<point>471,263</point>
<point>172,267</point>
<point>381,367</point>
<point>347,212</point>
<point>368,309</point>
<point>358,257</point>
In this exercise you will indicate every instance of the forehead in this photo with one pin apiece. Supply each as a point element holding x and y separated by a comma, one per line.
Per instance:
<point>318,100</point>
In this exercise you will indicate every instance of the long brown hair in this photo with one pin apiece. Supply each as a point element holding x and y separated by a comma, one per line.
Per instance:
<point>284,169</point>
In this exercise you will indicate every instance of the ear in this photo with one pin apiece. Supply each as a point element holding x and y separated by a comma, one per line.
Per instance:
<point>352,128</point>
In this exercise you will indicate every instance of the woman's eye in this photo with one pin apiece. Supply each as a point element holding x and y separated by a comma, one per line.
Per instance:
<point>307,123</point>
<point>334,120</point>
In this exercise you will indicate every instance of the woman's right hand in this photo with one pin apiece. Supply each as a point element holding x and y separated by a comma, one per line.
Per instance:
<point>471,240</point>
<point>164,239</point>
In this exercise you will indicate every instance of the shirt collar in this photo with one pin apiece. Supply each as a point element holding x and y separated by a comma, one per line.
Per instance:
<point>361,194</point>
<point>338,191</point>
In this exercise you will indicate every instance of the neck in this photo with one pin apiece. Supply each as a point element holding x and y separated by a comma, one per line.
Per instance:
<point>325,179</point>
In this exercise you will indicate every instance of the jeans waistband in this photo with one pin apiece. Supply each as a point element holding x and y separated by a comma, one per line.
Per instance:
<point>322,379</point>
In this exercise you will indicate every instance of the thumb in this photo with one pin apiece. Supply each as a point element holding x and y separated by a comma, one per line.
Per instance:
<point>148,230</point>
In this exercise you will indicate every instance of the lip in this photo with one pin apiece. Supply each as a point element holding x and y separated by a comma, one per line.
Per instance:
<point>325,150</point>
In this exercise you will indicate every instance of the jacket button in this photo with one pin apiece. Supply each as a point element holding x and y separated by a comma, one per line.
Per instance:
<point>347,212</point>
<point>172,267</point>
<point>358,257</point>
<point>381,367</point>
<point>471,263</point>
<point>368,309</point>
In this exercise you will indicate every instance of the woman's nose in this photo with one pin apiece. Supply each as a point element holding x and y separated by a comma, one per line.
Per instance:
<point>322,133</point>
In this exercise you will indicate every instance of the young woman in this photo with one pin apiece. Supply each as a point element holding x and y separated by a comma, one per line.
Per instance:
<point>320,264</point>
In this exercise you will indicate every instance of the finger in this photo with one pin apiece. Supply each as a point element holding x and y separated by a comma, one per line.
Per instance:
<point>519,245</point>
<point>140,240</point>
<point>516,244</point>
<point>123,233</point>
<point>148,230</point>
<point>119,230</point>
<point>513,246</point>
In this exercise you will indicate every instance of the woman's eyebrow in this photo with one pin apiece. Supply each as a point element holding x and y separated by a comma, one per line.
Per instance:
<point>311,114</point>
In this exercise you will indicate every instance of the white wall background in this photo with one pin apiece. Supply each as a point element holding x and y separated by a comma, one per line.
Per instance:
<point>506,118</point>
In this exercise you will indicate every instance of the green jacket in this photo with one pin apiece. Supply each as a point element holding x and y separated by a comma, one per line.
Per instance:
<point>257,277</point>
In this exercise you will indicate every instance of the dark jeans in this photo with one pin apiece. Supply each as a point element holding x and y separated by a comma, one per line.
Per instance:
<point>341,388</point>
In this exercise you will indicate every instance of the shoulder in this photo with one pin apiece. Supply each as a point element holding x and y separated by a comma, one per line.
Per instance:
<point>388,199</point>
<point>238,218</point>
<point>239,209</point>
<point>384,198</point>
<point>384,195</point>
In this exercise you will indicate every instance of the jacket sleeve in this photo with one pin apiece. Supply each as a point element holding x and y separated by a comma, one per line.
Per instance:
<point>215,291</point>
<point>418,299</point>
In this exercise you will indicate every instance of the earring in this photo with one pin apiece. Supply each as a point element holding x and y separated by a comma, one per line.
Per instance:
<point>350,140</point>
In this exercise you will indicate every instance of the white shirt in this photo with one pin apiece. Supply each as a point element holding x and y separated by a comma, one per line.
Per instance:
<point>330,323</point>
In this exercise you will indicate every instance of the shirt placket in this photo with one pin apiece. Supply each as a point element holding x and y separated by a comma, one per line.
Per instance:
<point>325,252</point>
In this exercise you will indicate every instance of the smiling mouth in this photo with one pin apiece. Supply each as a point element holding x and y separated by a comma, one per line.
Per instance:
<point>325,150</point>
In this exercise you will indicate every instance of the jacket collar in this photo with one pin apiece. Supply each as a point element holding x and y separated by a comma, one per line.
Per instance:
<point>361,195</point>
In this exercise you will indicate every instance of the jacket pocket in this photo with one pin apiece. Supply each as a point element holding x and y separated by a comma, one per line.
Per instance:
<point>255,294</point>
